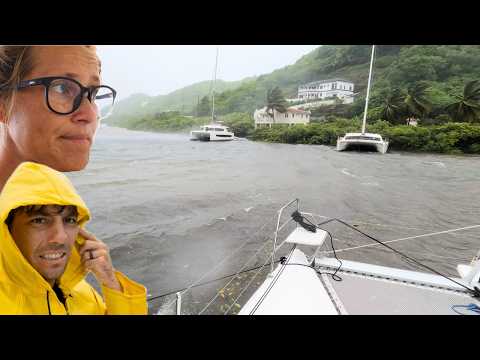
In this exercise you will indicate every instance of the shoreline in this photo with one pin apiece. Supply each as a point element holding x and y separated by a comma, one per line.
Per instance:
<point>114,130</point>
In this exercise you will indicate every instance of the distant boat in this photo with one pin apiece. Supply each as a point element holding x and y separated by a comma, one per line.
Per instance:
<point>364,140</point>
<point>213,131</point>
<point>352,141</point>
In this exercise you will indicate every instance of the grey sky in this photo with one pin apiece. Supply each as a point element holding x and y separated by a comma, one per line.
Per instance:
<point>161,69</point>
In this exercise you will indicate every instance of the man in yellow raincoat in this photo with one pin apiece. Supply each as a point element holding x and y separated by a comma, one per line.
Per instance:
<point>45,253</point>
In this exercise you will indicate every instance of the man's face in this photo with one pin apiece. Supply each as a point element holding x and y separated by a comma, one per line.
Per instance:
<point>46,238</point>
<point>36,133</point>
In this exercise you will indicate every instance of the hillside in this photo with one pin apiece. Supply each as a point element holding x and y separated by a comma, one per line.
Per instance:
<point>184,100</point>
<point>444,68</point>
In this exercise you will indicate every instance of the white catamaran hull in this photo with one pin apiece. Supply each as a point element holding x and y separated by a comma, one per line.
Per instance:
<point>210,136</point>
<point>380,146</point>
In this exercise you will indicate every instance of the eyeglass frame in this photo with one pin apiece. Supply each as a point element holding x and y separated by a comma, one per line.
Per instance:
<point>47,81</point>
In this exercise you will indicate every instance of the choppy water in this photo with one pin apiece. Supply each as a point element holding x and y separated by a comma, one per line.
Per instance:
<point>171,209</point>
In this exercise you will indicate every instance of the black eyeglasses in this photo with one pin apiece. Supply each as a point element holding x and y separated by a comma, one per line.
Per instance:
<point>64,95</point>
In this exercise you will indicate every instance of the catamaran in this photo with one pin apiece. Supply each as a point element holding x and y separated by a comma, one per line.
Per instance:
<point>214,131</point>
<point>311,280</point>
<point>364,140</point>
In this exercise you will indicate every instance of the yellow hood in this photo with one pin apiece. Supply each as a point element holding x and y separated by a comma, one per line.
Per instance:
<point>36,184</point>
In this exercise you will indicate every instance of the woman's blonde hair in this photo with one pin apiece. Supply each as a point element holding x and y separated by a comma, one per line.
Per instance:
<point>15,63</point>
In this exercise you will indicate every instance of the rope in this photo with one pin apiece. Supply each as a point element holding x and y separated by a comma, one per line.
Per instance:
<point>197,282</point>
<point>407,238</point>
<point>475,292</point>
<point>219,291</point>
<point>470,307</point>
<point>390,226</point>
<point>207,282</point>
<point>366,223</point>
<point>218,265</point>
<point>248,285</point>
<point>259,302</point>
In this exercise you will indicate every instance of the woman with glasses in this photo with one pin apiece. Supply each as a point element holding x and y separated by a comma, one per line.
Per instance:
<point>51,102</point>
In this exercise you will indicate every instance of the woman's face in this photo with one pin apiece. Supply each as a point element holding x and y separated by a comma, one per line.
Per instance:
<point>37,134</point>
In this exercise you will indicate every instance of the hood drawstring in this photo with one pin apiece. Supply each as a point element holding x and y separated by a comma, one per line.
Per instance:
<point>48,303</point>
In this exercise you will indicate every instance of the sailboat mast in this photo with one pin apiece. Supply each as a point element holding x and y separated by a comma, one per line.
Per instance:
<point>214,82</point>
<point>368,91</point>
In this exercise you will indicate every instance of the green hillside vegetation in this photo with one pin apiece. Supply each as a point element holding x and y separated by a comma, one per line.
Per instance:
<point>445,70</point>
<point>451,138</point>
<point>436,84</point>
<point>184,100</point>
<point>240,123</point>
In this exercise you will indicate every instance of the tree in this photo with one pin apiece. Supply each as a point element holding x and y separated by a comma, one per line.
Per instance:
<point>393,106</point>
<point>275,102</point>
<point>204,109</point>
<point>416,102</point>
<point>467,106</point>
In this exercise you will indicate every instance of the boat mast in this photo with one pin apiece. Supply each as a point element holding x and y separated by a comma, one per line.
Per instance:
<point>214,82</point>
<point>368,91</point>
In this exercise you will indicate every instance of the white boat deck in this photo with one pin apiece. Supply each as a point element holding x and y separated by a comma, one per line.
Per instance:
<point>368,295</point>
<point>298,287</point>
<point>299,290</point>
<point>291,290</point>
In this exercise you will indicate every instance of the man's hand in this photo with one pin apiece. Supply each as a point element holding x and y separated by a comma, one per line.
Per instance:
<point>95,256</point>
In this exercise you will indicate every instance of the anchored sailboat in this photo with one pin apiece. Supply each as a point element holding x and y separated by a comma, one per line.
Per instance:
<point>363,139</point>
<point>213,131</point>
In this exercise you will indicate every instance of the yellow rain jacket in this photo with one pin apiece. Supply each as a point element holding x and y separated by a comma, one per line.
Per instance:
<point>22,289</point>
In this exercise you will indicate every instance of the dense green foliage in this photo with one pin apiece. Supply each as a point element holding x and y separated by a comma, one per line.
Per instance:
<point>467,106</point>
<point>184,100</point>
<point>171,121</point>
<point>450,138</point>
<point>240,123</point>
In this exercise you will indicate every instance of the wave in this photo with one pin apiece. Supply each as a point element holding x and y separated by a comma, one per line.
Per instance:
<point>437,163</point>
<point>345,172</point>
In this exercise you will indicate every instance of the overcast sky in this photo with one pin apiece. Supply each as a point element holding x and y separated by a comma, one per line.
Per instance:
<point>161,69</point>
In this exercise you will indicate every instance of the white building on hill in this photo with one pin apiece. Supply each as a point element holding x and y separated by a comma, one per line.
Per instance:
<point>319,90</point>
<point>291,117</point>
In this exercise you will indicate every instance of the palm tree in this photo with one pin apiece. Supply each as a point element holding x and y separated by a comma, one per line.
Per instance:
<point>416,102</point>
<point>275,102</point>
<point>393,106</point>
<point>467,107</point>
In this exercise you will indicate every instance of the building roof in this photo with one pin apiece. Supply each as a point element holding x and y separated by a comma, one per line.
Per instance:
<point>298,111</point>
<point>326,81</point>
